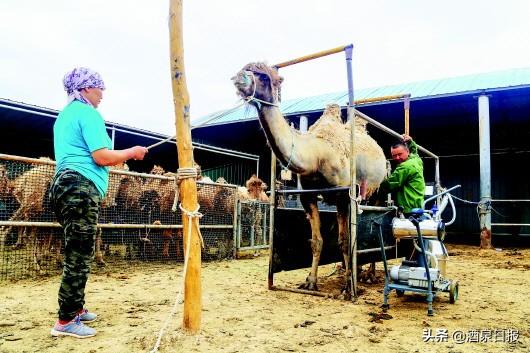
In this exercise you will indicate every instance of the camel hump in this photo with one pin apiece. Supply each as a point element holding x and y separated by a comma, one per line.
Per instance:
<point>333,111</point>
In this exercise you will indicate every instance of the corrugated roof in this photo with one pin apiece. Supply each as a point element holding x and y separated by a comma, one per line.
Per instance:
<point>513,78</point>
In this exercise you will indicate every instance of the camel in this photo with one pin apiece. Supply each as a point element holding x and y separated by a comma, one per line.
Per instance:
<point>321,156</point>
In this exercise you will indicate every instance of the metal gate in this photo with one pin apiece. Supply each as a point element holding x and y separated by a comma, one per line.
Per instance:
<point>252,229</point>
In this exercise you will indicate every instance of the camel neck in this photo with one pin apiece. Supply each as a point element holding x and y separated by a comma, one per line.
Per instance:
<point>281,137</point>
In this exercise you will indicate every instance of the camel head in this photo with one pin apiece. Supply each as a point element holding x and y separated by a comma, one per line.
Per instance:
<point>157,170</point>
<point>254,186</point>
<point>258,83</point>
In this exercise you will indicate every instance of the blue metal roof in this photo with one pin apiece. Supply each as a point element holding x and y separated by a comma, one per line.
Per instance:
<point>468,84</point>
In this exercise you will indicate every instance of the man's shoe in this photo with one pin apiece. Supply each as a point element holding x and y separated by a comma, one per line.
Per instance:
<point>74,328</point>
<point>85,316</point>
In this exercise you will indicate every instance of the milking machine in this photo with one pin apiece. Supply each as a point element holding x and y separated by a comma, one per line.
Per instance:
<point>425,271</point>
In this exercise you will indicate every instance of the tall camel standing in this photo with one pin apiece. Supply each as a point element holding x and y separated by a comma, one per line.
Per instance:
<point>321,156</point>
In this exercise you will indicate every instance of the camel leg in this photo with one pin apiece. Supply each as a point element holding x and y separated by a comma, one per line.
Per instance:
<point>179,243</point>
<point>166,238</point>
<point>45,239</point>
<point>310,205</point>
<point>4,231</point>
<point>99,253</point>
<point>21,238</point>
<point>372,271</point>
<point>37,245</point>
<point>367,275</point>
<point>342,221</point>
<point>58,243</point>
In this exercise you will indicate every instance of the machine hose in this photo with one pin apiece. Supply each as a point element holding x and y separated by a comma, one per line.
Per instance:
<point>428,253</point>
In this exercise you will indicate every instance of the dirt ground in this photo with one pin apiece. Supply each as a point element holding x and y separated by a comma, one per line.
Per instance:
<point>241,315</point>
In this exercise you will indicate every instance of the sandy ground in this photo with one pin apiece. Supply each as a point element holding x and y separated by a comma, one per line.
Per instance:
<point>241,315</point>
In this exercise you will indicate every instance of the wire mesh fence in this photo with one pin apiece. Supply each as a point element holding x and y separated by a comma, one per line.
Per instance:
<point>137,220</point>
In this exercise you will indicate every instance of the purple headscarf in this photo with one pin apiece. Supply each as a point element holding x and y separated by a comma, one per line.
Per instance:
<point>79,78</point>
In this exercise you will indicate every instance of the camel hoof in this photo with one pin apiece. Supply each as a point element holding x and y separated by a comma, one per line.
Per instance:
<point>101,263</point>
<point>18,246</point>
<point>309,285</point>
<point>346,295</point>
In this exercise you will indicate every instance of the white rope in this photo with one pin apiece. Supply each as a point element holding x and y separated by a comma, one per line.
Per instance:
<point>252,97</point>
<point>176,198</point>
<point>191,216</point>
<point>195,215</point>
<point>182,173</point>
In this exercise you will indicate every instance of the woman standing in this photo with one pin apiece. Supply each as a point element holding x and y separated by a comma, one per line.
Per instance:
<point>83,152</point>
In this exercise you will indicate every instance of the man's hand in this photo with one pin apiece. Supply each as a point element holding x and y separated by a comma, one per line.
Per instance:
<point>406,138</point>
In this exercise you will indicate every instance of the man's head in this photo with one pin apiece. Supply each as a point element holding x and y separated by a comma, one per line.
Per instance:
<point>400,152</point>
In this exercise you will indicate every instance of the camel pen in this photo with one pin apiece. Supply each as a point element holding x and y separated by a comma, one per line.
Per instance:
<point>191,320</point>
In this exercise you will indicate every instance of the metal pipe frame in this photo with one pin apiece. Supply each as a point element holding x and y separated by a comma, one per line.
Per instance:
<point>112,225</point>
<point>352,239</point>
<point>312,56</point>
<point>485,164</point>
<point>367,251</point>
<point>511,224</point>
<point>351,114</point>
<point>272,200</point>
<point>28,111</point>
<point>437,196</point>
<point>510,200</point>
<point>391,132</point>
<point>397,135</point>
<point>381,99</point>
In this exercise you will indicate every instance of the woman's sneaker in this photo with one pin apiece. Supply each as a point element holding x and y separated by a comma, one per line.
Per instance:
<point>74,328</point>
<point>85,316</point>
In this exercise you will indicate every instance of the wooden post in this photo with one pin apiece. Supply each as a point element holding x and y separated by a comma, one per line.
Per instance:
<point>191,320</point>
<point>406,104</point>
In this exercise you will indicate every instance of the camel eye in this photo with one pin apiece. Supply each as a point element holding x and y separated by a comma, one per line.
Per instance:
<point>262,77</point>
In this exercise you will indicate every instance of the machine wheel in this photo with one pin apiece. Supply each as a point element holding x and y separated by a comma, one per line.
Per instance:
<point>453,292</point>
<point>400,292</point>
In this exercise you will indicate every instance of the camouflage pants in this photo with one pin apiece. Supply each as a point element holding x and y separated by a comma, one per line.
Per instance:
<point>76,202</point>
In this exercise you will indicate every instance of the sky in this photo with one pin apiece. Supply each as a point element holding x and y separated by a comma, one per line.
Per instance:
<point>127,42</point>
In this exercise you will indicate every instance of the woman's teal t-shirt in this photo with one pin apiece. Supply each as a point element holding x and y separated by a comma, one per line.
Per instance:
<point>79,131</point>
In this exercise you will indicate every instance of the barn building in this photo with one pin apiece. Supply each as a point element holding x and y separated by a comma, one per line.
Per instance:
<point>444,118</point>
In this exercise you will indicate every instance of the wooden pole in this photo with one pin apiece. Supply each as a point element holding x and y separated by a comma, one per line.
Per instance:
<point>191,320</point>
<point>406,105</point>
